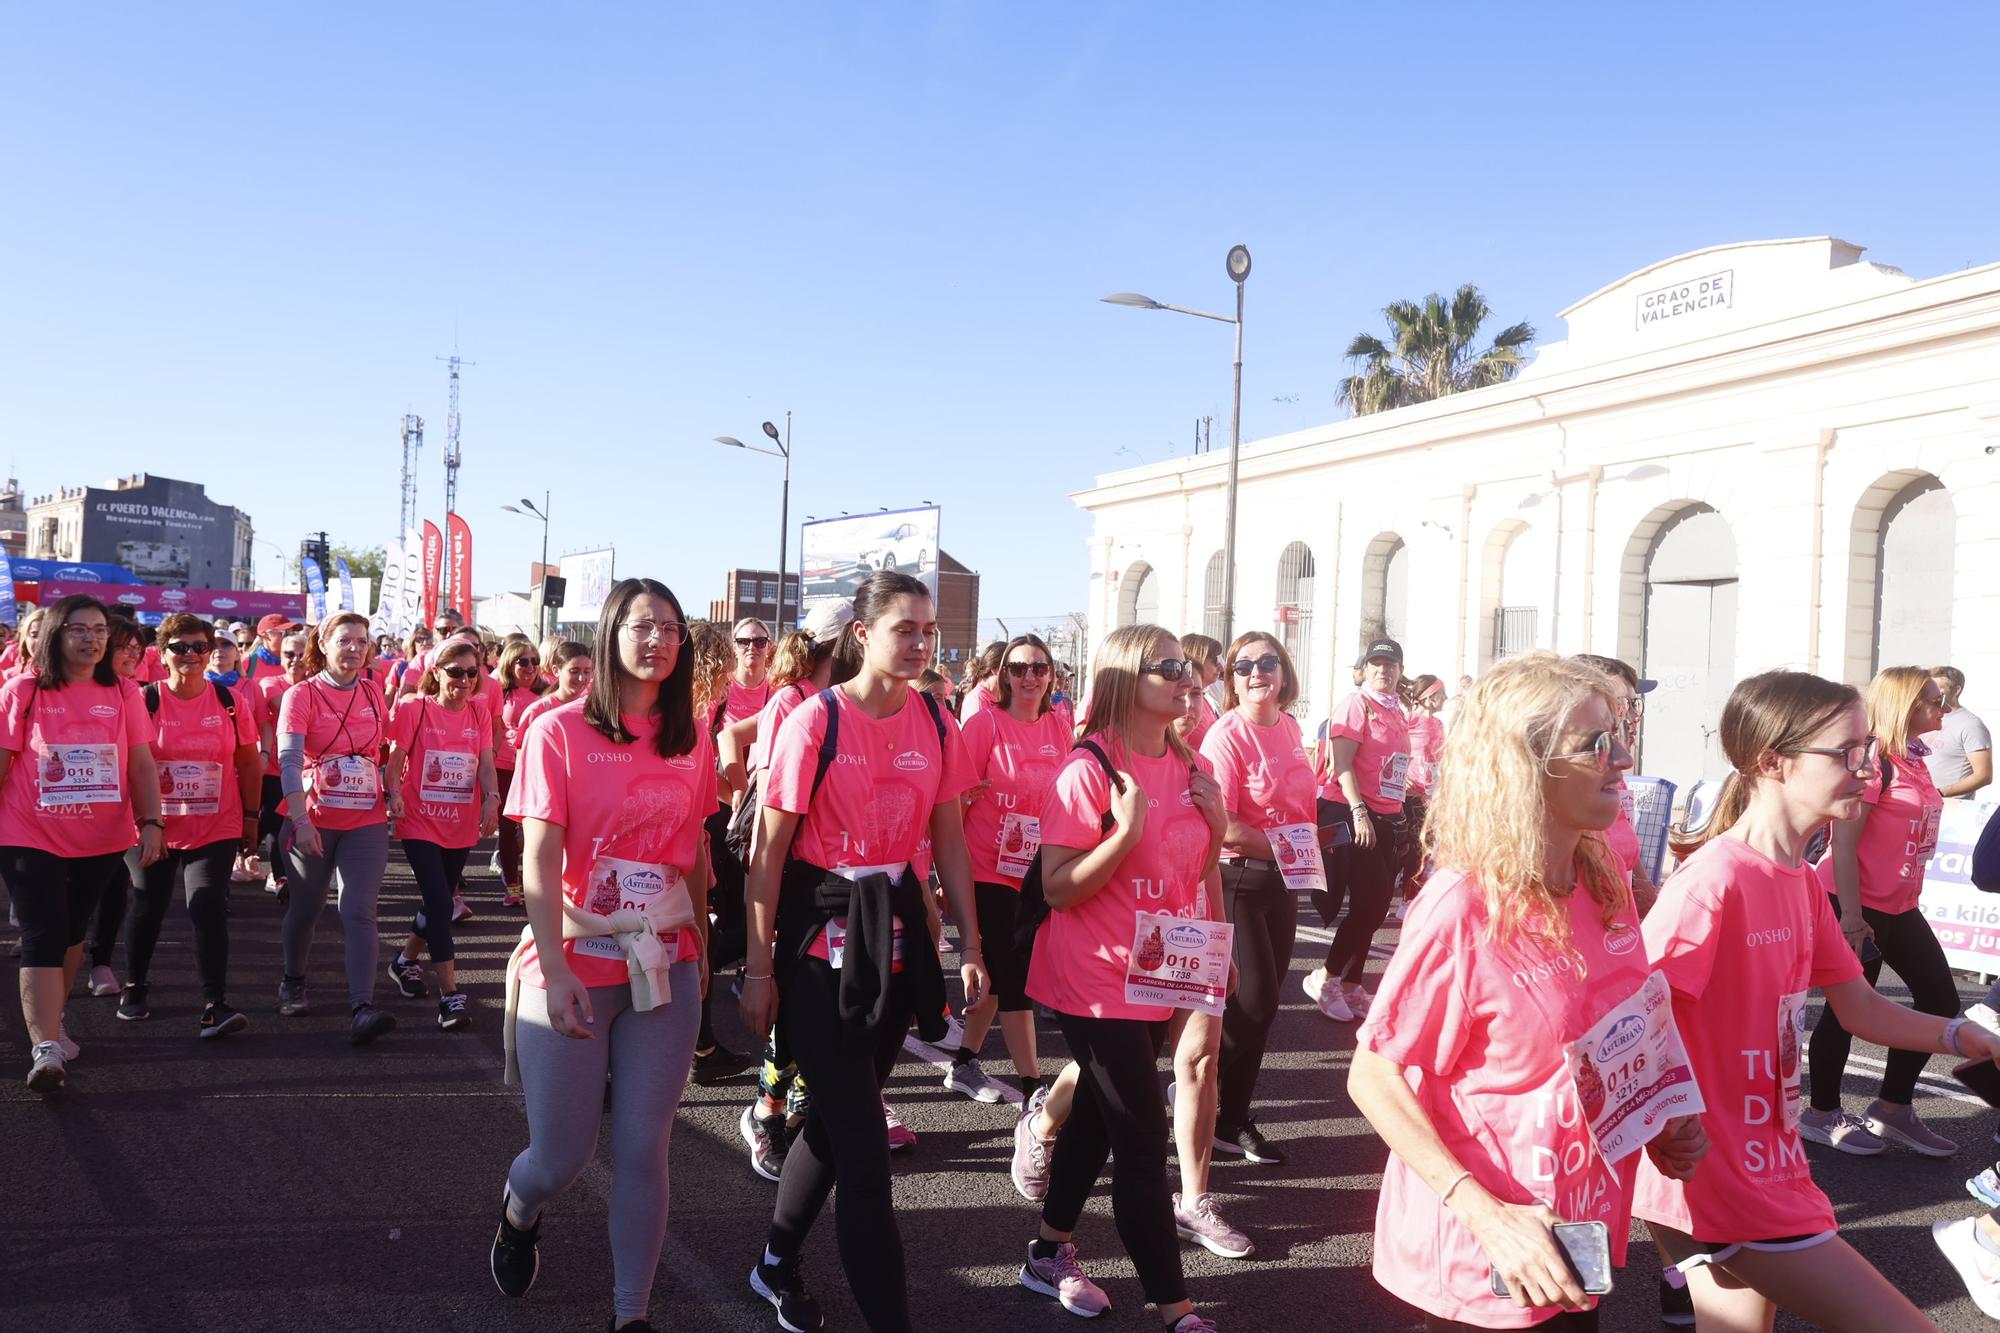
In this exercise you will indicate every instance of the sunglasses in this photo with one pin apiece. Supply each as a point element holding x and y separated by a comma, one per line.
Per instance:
<point>529,662</point>
<point>1600,751</point>
<point>460,673</point>
<point>1169,669</point>
<point>1244,666</point>
<point>1019,669</point>
<point>291,657</point>
<point>180,649</point>
<point>755,642</point>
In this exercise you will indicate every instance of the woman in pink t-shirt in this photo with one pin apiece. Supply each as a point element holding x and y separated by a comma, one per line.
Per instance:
<point>267,693</point>
<point>1743,933</point>
<point>1423,696</point>
<point>1875,872</point>
<point>860,797</point>
<point>521,685</point>
<point>566,669</point>
<point>1205,653</point>
<point>976,690</point>
<point>1622,836</point>
<point>211,772</point>
<point>76,765</point>
<point>1116,851</point>
<point>609,975</point>
<point>1523,943</point>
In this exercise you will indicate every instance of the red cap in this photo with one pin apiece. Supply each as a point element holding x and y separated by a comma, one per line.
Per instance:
<point>275,621</point>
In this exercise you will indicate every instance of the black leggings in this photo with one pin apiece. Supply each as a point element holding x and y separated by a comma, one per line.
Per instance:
<point>203,872</point>
<point>270,827</point>
<point>1367,876</point>
<point>844,1139</point>
<point>510,837</point>
<point>53,897</point>
<point>1118,1112</point>
<point>999,910</point>
<point>1909,946</point>
<point>1265,914</point>
<point>438,870</point>
<point>111,909</point>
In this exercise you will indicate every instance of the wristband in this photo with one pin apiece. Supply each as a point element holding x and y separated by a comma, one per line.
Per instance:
<point>748,976</point>
<point>154,822</point>
<point>1951,1037</point>
<point>1457,1180</point>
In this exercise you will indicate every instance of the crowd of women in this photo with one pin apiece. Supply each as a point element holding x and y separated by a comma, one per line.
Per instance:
<point>1555,1046</point>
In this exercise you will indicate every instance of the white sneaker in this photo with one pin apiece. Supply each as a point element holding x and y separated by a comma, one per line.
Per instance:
<point>103,981</point>
<point>971,1080</point>
<point>46,1073</point>
<point>271,885</point>
<point>1313,983</point>
<point>1333,1003</point>
<point>1985,1015</point>
<point>70,1050</point>
<point>1978,1268</point>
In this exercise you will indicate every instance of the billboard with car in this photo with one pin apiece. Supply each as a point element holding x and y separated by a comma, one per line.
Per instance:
<point>836,554</point>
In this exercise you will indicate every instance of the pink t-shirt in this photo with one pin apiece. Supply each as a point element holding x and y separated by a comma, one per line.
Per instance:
<point>1382,759</point>
<point>201,804</point>
<point>1426,744</point>
<point>256,669</point>
<point>344,733</point>
<point>513,708</point>
<point>1266,779</point>
<point>1624,839</point>
<point>72,822</point>
<point>874,807</point>
<point>1082,953</point>
<point>1020,759</point>
<point>1481,1030</point>
<point>441,745</point>
<point>1898,839</point>
<point>612,801</point>
<point>976,702</point>
<point>783,700</point>
<point>1737,934</point>
<point>1198,733</point>
<point>266,693</point>
<point>151,668</point>
<point>744,701</point>
<point>543,704</point>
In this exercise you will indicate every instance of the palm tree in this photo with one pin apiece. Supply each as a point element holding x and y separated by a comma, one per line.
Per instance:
<point>1430,353</point>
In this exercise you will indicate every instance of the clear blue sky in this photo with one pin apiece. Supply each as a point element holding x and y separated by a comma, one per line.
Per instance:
<point>235,236</point>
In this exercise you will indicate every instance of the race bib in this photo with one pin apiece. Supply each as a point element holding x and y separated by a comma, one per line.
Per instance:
<point>613,884</point>
<point>1791,1040</point>
<point>1020,839</point>
<point>1392,779</point>
<point>1295,847</point>
<point>450,777</point>
<point>190,787</point>
<point>346,782</point>
<point>1632,1072</point>
<point>836,942</point>
<point>80,775</point>
<point>1179,962</point>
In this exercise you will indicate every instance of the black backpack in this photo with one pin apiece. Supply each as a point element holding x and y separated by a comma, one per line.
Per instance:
<point>1033,906</point>
<point>221,692</point>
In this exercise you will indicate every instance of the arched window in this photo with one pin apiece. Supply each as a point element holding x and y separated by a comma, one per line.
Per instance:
<point>1138,596</point>
<point>1295,617</point>
<point>1212,587</point>
<point>1385,588</point>
<point>1914,546</point>
<point>1680,588</point>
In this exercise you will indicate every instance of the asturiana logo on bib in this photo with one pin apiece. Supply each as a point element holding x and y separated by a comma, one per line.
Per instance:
<point>1186,937</point>
<point>644,883</point>
<point>103,710</point>
<point>912,761</point>
<point>1623,1033</point>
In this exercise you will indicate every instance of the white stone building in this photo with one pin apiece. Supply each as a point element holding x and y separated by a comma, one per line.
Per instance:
<point>1751,456</point>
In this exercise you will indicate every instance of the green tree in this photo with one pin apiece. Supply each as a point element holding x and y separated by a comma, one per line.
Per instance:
<point>362,562</point>
<point>1430,353</point>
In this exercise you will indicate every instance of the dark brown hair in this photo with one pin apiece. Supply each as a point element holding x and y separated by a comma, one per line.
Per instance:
<point>1288,693</point>
<point>1775,712</point>
<point>675,706</point>
<point>48,653</point>
<point>1005,694</point>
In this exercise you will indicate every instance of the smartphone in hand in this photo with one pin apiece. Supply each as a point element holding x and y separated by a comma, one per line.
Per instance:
<point>1587,1248</point>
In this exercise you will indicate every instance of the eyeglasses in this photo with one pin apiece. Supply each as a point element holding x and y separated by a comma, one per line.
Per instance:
<point>1169,669</point>
<point>460,673</point>
<point>1856,759</point>
<point>87,631</point>
<point>666,631</point>
<point>1019,669</point>
<point>1244,666</point>
<point>1601,750</point>
<point>754,642</point>
<point>179,649</point>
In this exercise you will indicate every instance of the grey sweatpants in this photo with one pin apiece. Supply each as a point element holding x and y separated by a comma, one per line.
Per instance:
<point>360,855</point>
<point>562,1081</point>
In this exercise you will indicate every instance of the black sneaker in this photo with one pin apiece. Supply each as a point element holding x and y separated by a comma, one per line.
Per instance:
<point>369,1023</point>
<point>291,998</point>
<point>219,1020</point>
<point>636,1326</point>
<point>781,1285</point>
<point>517,1255</point>
<point>409,979</point>
<point>132,1003</point>
<point>452,1013</point>
<point>719,1064</point>
<point>1676,1305</point>
<point>1246,1142</point>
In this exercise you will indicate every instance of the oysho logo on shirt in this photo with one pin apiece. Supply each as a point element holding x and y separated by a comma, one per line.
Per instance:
<point>911,761</point>
<point>1776,935</point>
<point>607,757</point>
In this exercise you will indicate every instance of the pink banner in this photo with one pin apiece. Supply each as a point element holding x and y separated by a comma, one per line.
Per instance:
<point>236,603</point>
<point>460,533</point>
<point>433,569</point>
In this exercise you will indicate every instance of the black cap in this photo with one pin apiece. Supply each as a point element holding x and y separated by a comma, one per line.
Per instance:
<point>1648,686</point>
<point>1388,648</point>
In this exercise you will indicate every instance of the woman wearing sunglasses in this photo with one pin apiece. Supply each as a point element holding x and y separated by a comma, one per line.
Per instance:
<point>1623,835</point>
<point>521,684</point>
<point>267,693</point>
<point>1743,932</point>
<point>444,797</point>
<point>211,774</point>
<point>1014,748</point>
<point>1875,872</point>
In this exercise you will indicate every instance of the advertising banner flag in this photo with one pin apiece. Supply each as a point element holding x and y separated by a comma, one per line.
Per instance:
<point>9,612</point>
<point>459,533</point>
<point>433,570</point>
<point>389,610</point>
<point>346,583</point>
<point>315,588</point>
<point>413,578</point>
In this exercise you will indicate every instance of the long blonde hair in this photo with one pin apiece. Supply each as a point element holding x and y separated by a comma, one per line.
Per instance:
<point>1488,809</point>
<point>1890,697</point>
<point>1114,690</point>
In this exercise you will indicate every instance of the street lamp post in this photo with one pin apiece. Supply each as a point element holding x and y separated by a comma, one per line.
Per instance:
<point>528,510</point>
<point>782,449</point>
<point>1238,265</point>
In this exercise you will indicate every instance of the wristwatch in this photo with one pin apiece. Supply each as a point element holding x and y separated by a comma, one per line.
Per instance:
<point>155,822</point>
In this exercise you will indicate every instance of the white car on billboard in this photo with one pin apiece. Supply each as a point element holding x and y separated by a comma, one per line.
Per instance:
<point>903,549</point>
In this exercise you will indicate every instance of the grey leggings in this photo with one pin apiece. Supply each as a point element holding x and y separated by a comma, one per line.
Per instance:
<point>562,1082</point>
<point>360,855</point>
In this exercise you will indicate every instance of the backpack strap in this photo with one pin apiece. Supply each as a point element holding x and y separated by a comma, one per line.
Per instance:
<point>937,719</point>
<point>829,741</point>
<point>1117,783</point>
<point>152,693</point>
<point>223,695</point>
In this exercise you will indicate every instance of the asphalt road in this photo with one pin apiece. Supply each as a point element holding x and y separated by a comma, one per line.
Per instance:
<point>282,1180</point>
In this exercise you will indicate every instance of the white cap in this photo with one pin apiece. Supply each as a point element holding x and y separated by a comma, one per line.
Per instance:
<point>824,622</point>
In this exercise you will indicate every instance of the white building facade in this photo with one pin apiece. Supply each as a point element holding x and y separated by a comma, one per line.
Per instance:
<point>1773,454</point>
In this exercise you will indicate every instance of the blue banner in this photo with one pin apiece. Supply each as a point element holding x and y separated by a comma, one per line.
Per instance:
<point>9,612</point>
<point>67,571</point>
<point>316,588</point>
<point>346,583</point>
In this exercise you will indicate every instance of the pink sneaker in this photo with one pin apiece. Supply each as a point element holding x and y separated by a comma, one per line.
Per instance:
<point>900,1135</point>
<point>1030,1168</point>
<point>1062,1277</point>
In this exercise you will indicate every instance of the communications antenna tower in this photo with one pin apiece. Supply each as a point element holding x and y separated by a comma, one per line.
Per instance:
<point>452,457</point>
<point>413,446</point>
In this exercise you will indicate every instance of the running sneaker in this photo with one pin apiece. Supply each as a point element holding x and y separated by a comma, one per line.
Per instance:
<point>901,1136</point>
<point>1201,1222</point>
<point>717,1064</point>
<point>46,1073</point>
<point>513,898</point>
<point>369,1023</point>
<point>967,1077</point>
<point>1985,1187</point>
<point>769,1139</point>
<point>945,945</point>
<point>493,862</point>
<point>785,1289</point>
<point>517,1254</point>
<point>64,1042</point>
<point>1905,1127</point>
<point>291,998</point>
<point>1985,1015</point>
<point>1193,1323</point>
<point>103,981</point>
<point>1313,983</point>
<point>409,978</point>
<point>452,1013</point>
<point>1333,1004</point>
<point>1247,1142</point>
<point>219,1020</point>
<point>460,911</point>
<point>1839,1130</point>
<point>1676,1303</point>
<point>245,871</point>
<point>1030,1168</point>
<point>1978,1268</point>
<point>271,884</point>
<point>1358,999</point>
<point>1062,1277</point>
<point>132,1004</point>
